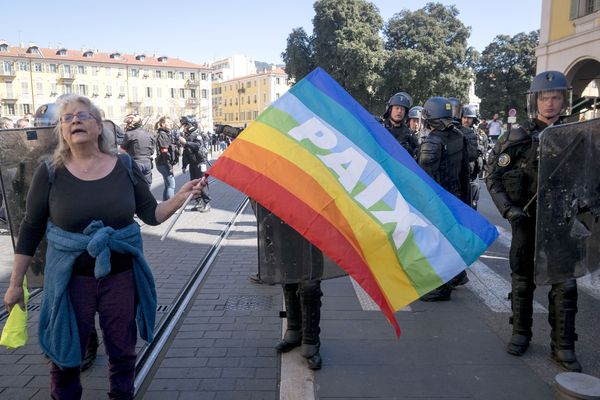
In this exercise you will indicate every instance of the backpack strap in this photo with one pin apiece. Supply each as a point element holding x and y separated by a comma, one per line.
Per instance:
<point>127,162</point>
<point>51,171</point>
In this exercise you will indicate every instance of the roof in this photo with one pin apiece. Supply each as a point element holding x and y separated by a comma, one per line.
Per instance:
<point>99,57</point>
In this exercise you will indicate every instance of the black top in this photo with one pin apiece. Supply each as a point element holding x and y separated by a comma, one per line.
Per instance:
<point>139,144</point>
<point>71,204</point>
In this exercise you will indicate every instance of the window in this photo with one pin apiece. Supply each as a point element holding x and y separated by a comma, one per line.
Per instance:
<point>276,95</point>
<point>10,109</point>
<point>203,76</point>
<point>255,114</point>
<point>182,75</point>
<point>134,94</point>
<point>173,93</point>
<point>248,84</point>
<point>8,66</point>
<point>24,88</point>
<point>193,76</point>
<point>133,72</point>
<point>182,93</point>
<point>121,91</point>
<point>39,89</point>
<point>26,108</point>
<point>107,71</point>
<point>23,66</point>
<point>581,8</point>
<point>67,69</point>
<point>95,90</point>
<point>158,74</point>
<point>53,68</point>
<point>95,71</point>
<point>37,67</point>
<point>248,99</point>
<point>159,92</point>
<point>83,90</point>
<point>111,111</point>
<point>254,98</point>
<point>170,74</point>
<point>3,47</point>
<point>159,110</point>
<point>193,93</point>
<point>80,69</point>
<point>277,81</point>
<point>204,93</point>
<point>108,90</point>
<point>148,92</point>
<point>68,88</point>
<point>53,89</point>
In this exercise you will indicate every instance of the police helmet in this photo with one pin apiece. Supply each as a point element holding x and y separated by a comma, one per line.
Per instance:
<point>399,99</point>
<point>190,122</point>
<point>437,108</point>
<point>46,115</point>
<point>549,81</point>
<point>470,112</point>
<point>456,107</point>
<point>132,121</point>
<point>415,113</point>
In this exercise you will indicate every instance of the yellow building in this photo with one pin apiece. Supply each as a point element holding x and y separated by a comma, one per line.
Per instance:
<point>570,43</point>
<point>238,101</point>
<point>118,83</point>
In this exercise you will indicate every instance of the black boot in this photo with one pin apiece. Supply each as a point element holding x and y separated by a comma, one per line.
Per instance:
<point>293,335</point>
<point>442,293</point>
<point>91,351</point>
<point>310,297</point>
<point>561,316</point>
<point>522,318</point>
<point>459,280</point>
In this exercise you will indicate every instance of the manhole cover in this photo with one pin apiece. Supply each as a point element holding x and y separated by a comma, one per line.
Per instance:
<point>248,303</point>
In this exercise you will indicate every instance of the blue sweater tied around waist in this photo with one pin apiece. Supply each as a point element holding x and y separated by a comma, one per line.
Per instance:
<point>58,334</point>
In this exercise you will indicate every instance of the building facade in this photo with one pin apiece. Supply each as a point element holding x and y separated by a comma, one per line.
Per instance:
<point>117,83</point>
<point>238,101</point>
<point>570,43</point>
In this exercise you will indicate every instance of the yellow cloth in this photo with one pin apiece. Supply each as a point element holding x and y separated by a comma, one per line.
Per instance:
<point>14,334</point>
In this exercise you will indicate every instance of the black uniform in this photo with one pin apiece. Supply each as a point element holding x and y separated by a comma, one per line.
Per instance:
<point>194,156</point>
<point>443,155</point>
<point>403,135</point>
<point>139,144</point>
<point>512,183</point>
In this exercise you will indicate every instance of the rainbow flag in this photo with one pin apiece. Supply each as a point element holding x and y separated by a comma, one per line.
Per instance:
<point>322,164</point>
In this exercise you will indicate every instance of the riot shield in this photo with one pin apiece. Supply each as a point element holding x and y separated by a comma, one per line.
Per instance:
<point>21,151</point>
<point>285,256</point>
<point>568,210</point>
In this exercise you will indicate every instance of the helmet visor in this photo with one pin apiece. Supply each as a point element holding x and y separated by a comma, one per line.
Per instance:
<point>549,103</point>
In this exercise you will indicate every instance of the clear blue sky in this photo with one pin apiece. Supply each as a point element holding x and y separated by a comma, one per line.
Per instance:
<point>202,31</point>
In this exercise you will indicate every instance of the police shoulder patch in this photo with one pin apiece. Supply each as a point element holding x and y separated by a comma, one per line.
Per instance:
<point>503,160</point>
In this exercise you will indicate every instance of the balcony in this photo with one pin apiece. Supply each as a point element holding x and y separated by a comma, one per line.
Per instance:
<point>66,77</point>
<point>7,73</point>
<point>191,102</point>
<point>9,98</point>
<point>192,83</point>
<point>135,103</point>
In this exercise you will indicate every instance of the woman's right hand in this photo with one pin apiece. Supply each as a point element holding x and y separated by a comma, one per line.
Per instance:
<point>14,295</point>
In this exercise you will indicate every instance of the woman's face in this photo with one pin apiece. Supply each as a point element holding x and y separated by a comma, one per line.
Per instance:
<point>167,124</point>
<point>78,126</point>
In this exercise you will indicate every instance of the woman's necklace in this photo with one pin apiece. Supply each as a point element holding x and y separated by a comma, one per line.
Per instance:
<point>91,165</point>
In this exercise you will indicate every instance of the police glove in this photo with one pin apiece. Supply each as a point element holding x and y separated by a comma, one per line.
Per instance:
<point>515,214</point>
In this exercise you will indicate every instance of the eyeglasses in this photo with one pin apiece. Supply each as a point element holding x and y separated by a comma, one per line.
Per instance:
<point>81,116</point>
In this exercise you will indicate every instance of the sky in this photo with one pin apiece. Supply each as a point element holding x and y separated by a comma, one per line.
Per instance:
<point>203,31</point>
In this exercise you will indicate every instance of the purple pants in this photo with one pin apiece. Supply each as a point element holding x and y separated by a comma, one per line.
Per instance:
<point>113,298</point>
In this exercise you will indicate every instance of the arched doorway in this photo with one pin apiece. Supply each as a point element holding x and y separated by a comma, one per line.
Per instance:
<point>584,76</point>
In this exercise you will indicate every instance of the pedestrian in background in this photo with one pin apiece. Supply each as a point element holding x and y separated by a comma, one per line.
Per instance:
<point>84,200</point>
<point>166,155</point>
<point>139,144</point>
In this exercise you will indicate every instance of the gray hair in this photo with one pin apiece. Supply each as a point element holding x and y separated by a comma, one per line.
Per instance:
<point>105,140</point>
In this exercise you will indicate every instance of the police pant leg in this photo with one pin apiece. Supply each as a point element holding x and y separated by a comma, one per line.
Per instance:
<point>310,298</point>
<point>293,334</point>
<point>562,300</point>
<point>521,296</point>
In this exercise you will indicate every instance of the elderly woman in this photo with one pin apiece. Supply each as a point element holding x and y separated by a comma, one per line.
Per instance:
<point>85,200</point>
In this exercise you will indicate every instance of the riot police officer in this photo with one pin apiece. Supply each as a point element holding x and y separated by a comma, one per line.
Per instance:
<point>394,120</point>
<point>474,151</point>
<point>139,144</point>
<point>194,156</point>
<point>443,156</point>
<point>512,183</point>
